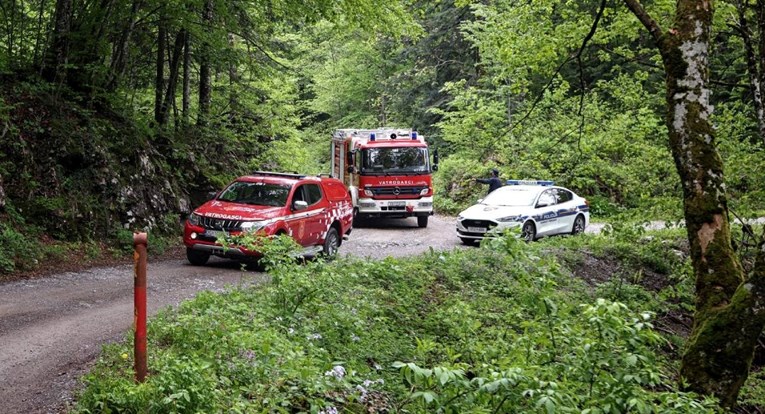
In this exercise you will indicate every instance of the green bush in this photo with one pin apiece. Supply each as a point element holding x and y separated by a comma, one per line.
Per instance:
<point>503,328</point>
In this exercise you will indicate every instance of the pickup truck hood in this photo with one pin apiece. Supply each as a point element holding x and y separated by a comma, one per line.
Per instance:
<point>237,211</point>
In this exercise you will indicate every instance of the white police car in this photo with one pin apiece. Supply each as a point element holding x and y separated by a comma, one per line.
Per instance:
<point>537,207</point>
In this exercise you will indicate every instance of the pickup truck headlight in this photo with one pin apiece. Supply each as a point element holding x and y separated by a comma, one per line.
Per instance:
<point>509,218</point>
<point>195,219</point>
<point>255,225</point>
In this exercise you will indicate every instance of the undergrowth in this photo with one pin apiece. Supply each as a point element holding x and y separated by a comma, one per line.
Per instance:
<point>503,328</point>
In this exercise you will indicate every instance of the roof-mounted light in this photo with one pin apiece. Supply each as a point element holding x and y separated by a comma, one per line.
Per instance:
<point>372,136</point>
<point>414,135</point>
<point>544,183</point>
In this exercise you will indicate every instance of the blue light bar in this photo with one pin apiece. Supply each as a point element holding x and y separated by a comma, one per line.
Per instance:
<point>530,182</point>
<point>372,136</point>
<point>414,135</point>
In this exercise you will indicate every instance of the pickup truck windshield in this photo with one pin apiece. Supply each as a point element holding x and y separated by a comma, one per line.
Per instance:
<point>259,194</point>
<point>394,161</point>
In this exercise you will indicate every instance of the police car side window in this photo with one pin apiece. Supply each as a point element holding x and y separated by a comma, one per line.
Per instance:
<point>564,196</point>
<point>546,199</point>
<point>314,194</point>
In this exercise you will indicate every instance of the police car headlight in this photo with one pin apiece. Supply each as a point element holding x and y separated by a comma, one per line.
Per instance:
<point>509,218</point>
<point>195,219</point>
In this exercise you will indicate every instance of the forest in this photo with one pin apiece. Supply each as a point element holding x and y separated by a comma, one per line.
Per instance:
<point>120,115</point>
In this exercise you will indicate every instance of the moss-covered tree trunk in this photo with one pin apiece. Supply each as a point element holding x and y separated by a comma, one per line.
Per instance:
<point>730,311</point>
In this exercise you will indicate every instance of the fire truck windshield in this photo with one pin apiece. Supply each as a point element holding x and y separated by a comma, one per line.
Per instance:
<point>260,194</point>
<point>395,161</point>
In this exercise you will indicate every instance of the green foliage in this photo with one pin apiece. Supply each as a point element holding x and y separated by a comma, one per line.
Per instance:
<point>502,328</point>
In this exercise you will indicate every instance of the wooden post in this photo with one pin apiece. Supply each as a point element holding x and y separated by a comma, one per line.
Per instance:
<point>140,242</point>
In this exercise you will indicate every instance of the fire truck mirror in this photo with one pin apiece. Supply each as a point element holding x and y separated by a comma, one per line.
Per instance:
<point>435,159</point>
<point>435,167</point>
<point>351,170</point>
<point>211,195</point>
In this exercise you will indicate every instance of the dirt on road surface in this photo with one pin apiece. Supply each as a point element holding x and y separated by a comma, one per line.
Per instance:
<point>52,328</point>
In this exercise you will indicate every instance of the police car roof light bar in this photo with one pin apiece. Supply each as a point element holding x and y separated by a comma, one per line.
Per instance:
<point>544,183</point>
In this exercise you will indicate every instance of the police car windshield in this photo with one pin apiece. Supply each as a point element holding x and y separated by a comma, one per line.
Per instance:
<point>259,194</point>
<point>511,196</point>
<point>394,161</point>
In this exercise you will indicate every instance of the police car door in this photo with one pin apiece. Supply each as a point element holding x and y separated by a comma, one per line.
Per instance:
<point>566,209</point>
<point>545,213</point>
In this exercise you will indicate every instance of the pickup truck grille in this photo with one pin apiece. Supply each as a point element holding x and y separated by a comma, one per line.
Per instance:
<point>220,224</point>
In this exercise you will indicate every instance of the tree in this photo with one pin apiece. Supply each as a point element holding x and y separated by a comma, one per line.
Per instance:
<point>729,314</point>
<point>755,67</point>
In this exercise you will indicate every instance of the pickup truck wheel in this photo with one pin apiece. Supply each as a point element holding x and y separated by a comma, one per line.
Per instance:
<point>331,243</point>
<point>422,221</point>
<point>196,257</point>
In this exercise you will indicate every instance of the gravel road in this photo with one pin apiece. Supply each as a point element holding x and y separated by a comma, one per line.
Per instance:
<point>52,328</point>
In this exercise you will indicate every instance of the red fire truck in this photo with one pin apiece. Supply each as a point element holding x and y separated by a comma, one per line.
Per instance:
<point>387,171</point>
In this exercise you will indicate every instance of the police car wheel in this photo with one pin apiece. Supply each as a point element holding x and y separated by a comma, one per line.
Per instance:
<point>578,225</point>
<point>422,221</point>
<point>529,231</point>
<point>196,257</point>
<point>331,242</point>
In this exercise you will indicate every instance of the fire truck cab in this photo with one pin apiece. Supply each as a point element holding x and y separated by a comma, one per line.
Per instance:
<point>387,171</point>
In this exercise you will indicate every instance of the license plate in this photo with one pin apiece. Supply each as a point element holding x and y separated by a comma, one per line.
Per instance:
<point>396,203</point>
<point>213,233</point>
<point>477,229</point>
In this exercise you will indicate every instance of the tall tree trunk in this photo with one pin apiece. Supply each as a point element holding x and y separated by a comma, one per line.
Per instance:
<point>172,81</point>
<point>120,49</point>
<point>186,78</point>
<point>159,80</point>
<point>205,88</point>
<point>58,54</point>
<point>755,77</point>
<point>39,36</point>
<point>728,318</point>
<point>233,77</point>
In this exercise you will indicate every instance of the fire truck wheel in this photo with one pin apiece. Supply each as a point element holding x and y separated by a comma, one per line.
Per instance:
<point>196,257</point>
<point>358,221</point>
<point>331,243</point>
<point>422,221</point>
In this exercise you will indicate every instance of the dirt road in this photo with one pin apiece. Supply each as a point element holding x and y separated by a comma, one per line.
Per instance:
<point>52,328</point>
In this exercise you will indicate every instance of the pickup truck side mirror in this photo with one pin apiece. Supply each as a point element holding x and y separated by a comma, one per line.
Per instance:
<point>299,205</point>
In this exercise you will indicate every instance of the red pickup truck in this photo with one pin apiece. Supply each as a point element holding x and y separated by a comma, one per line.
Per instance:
<point>316,211</point>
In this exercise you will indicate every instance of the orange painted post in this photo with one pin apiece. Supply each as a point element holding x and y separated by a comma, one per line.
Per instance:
<point>140,242</point>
